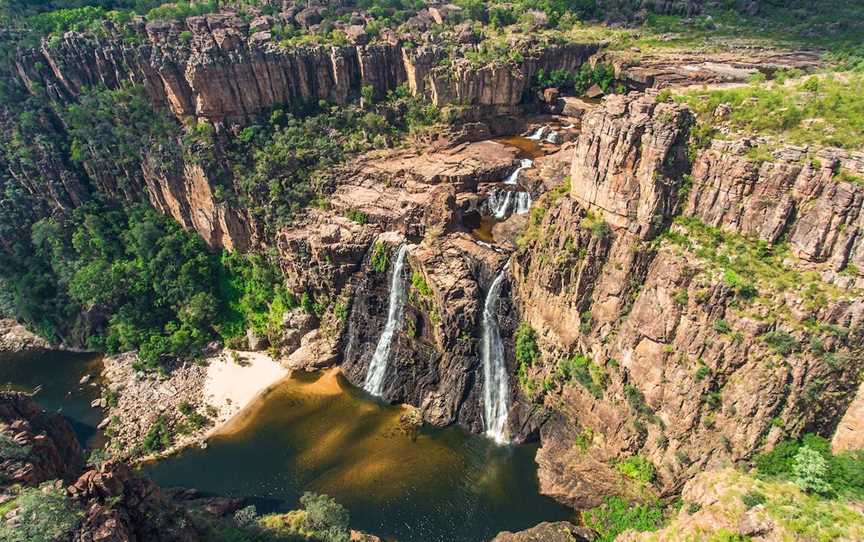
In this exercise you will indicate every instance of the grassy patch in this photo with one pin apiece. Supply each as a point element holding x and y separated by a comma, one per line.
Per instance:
<point>616,515</point>
<point>818,110</point>
<point>757,272</point>
<point>637,468</point>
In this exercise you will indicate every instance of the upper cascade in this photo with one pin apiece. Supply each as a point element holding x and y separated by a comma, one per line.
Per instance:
<point>496,388</point>
<point>525,163</point>
<point>374,383</point>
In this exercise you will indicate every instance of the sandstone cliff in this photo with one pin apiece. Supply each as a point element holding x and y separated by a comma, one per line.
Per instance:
<point>698,346</point>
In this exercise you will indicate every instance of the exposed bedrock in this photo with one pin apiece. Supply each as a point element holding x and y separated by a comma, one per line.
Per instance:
<point>228,73</point>
<point>647,345</point>
<point>37,445</point>
<point>114,503</point>
<point>793,196</point>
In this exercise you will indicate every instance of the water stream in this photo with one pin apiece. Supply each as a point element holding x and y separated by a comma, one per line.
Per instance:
<point>374,383</point>
<point>523,164</point>
<point>496,388</point>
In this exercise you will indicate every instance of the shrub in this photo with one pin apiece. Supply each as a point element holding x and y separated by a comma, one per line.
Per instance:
<point>616,515</point>
<point>753,498</point>
<point>43,515</point>
<point>637,468</point>
<point>722,326</point>
<point>527,350</point>
<point>380,257</point>
<point>9,449</point>
<point>783,343</point>
<point>356,216</point>
<point>579,368</point>
<point>158,437</point>
<point>810,471</point>
<point>636,400</point>
<point>326,519</point>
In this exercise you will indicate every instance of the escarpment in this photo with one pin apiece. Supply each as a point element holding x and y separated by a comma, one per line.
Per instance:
<point>688,344</point>
<point>227,73</point>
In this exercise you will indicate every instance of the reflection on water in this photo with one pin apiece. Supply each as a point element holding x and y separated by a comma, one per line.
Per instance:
<point>54,377</point>
<point>528,148</point>
<point>317,433</point>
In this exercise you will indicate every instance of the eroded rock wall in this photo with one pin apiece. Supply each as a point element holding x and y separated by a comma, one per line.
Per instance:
<point>647,344</point>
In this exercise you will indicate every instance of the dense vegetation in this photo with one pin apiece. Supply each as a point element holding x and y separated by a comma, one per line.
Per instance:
<point>133,279</point>
<point>811,465</point>
<point>43,514</point>
<point>280,166</point>
<point>616,515</point>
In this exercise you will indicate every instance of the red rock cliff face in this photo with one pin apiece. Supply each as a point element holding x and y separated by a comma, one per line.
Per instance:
<point>222,71</point>
<point>677,364</point>
<point>226,73</point>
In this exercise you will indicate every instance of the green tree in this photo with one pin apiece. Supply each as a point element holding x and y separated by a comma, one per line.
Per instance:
<point>810,471</point>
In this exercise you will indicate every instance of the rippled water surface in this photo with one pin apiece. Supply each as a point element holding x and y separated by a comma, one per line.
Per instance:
<point>318,433</point>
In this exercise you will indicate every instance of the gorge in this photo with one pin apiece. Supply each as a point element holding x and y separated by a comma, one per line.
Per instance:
<point>423,271</point>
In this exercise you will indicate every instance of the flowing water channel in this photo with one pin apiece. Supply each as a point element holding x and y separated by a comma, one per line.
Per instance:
<point>316,432</point>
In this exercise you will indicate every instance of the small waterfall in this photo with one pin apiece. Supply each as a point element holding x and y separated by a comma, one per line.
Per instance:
<point>513,177</point>
<point>496,388</point>
<point>523,202</point>
<point>538,134</point>
<point>503,203</point>
<point>553,137</point>
<point>374,383</point>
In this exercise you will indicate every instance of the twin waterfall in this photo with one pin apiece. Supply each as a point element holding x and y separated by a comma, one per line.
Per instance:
<point>374,383</point>
<point>496,390</point>
<point>504,203</point>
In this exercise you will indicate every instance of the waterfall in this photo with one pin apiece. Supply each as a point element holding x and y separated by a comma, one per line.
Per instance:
<point>503,203</point>
<point>513,177</point>
<point>496,389</point>
<point>374,383</point>
<point>538,134</point>
<point>523,202</point>
<point>499,206</point>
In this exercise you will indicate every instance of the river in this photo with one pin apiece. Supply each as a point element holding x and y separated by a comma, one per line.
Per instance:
<point>315,432</point>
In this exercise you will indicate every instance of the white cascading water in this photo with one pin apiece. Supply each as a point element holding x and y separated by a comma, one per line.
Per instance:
<point>538,134</point>
<point>513,177</point>
<point>496,388</point>
<point>503,203</point>
<point>374,383</point>
<point>523,202</point>
<point>500,205</point>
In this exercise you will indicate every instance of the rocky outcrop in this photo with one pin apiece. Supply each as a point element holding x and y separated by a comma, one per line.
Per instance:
<point>123,507</point>
<point>715,506</point>
<point>652,347</point>
<point>228,73</point>
<point>850,431</point>
<point>37,446</point>
<point>16,339</point>
<point>561,531</point>
<point>794,195</point>
<point>629,162</point>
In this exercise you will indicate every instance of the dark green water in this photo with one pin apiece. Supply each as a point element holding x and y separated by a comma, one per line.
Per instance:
<point>317,433</point>
<point>55,376</point>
